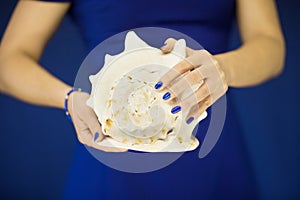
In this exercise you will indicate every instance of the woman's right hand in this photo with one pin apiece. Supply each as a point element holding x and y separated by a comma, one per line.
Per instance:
<point>86,124</point>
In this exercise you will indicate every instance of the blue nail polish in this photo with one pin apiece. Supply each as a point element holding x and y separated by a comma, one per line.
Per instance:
<point>167,96</point>
<point>158,85</point>
<point>96,136</point>
<point>176,109</point>
<point>190,120</point>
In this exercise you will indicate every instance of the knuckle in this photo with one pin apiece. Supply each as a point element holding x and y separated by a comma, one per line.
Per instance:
<point>181,67</point>
<point>193,61</point>
<point>205,90</point>
<point>194,77</point>
<point>216,63</point>
<point>204,52</point>
<point>199,109</point>
<point>202,92</point>
<point>222,74</point>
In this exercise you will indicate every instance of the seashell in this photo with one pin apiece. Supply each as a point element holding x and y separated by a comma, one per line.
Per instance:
<point>131,112</point>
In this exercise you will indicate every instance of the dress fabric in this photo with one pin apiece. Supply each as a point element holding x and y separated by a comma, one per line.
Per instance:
<point>226,172</point>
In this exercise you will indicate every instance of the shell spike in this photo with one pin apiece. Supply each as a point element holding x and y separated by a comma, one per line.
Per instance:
<point>108,58</point>
<point>180,47</point>
<point>92,78</point>
<point>133,41</point>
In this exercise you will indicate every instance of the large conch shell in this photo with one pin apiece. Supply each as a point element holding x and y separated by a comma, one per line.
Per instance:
<point>131,112</point>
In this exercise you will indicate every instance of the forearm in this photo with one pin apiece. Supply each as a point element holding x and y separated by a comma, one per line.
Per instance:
<point>254,62</point>
<point>23,78</point>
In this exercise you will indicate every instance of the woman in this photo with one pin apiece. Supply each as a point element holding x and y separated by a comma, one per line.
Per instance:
<point>223,174</point>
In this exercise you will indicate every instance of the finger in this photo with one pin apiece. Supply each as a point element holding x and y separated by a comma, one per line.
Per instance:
<point>203,57</point>
<point>189,51</point>
<point>86,138</point>
<point>197,60</point>
<point>184,85</point>
<point>94,126</point>
<point>91,141</point>
<point>103,148</point>
<point>168,45</point>
<point>198,109</point>
<point>200,94</point>
<point>84,135</point>
<point>98,137</point>
<point>174,73</point>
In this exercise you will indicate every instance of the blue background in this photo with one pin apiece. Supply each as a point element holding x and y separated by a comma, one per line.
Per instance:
<point>37,143</point>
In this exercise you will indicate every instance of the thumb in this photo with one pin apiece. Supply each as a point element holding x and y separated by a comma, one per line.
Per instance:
<point>168,45</point>
<point>95,128</point>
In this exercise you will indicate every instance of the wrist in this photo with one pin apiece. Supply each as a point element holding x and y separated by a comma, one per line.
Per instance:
<point>222,60</point>
<point>62,95</point>
<point>68,102</point>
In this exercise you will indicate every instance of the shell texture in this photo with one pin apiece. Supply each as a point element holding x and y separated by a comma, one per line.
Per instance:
<point>131,112</point>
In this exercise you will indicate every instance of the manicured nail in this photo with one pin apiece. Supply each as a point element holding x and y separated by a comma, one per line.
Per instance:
<point>167,96</point>
<point>158,85</point>
<point>190,120</point>
<point>96,136</point>
<point>176,109</point>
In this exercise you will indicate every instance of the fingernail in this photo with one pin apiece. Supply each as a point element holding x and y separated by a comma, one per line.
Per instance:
<point>96,136</point>
<point>158,85</point>
<point>190,120</point>
<point>176,109</point>
<point>167,96</point>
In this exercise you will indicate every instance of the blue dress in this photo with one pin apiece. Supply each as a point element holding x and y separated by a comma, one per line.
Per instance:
<point>226,172</point>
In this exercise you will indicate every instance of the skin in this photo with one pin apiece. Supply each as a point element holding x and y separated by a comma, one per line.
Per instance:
<point>19,55</point>
<point>259,59</point>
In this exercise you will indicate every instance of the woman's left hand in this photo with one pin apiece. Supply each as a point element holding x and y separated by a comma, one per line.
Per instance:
<point>198,66</point>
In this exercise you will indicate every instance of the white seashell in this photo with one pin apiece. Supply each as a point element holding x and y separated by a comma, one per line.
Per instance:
<point>131,112</point>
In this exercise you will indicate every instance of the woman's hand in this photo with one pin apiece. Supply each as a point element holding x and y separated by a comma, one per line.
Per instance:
<point>199,66</point>
<point>87,127</point>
